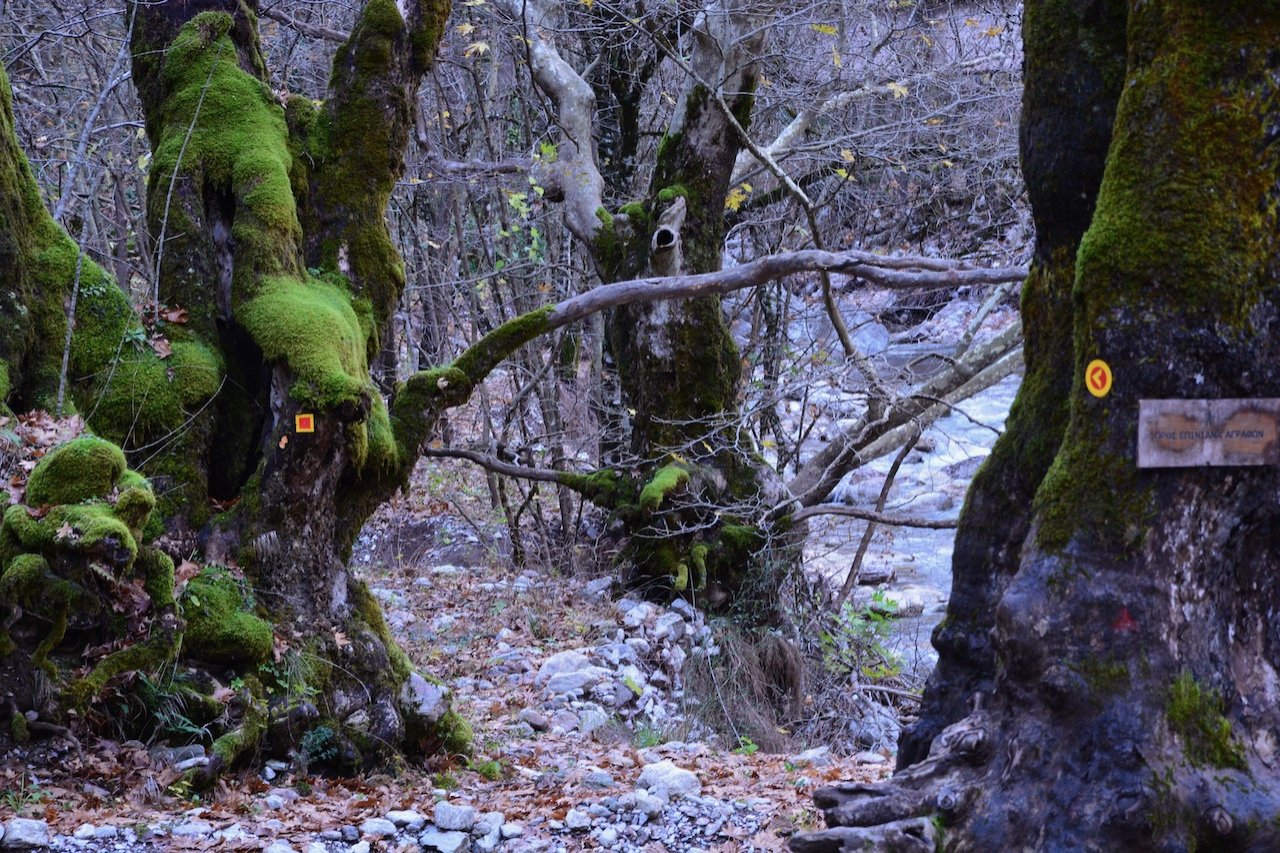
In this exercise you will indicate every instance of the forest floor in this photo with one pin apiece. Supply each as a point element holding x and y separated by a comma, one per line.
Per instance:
<point>486,628</point>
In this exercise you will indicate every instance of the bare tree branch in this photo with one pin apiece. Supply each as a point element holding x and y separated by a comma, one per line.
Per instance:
<point>313,30</point>
<point>873,517</point>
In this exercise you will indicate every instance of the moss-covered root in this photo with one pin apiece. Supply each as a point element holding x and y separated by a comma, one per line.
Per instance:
<point>249,708</point>
<point>159,649</point>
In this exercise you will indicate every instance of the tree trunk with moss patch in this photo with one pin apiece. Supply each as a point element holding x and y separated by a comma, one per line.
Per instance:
<point>699,529</point>
<point>274,242</point>
<point>1132,700</point>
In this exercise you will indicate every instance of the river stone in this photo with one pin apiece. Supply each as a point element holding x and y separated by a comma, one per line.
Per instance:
<point>819,756</point>
<point>429,701</point>
<point>444,842</point>
<point>562,663</point>
<point>378,826</point>
<point>280,847</point>
<point>669,781</point>
<point>25,834</point>
<point>448,816</point>
<point>191,829</point>
<point>407,817</point>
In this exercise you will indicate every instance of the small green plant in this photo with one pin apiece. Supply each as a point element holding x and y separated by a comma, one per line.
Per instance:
<point>446,779</point>
<point>854,644</point>
<point>746,746</point>
<point>22,797</point>
<point>318,745</point>
<point>490,769</point>
<point>648,736</point>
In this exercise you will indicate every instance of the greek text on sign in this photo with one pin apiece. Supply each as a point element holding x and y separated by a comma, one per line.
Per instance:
<point>1192,433</point>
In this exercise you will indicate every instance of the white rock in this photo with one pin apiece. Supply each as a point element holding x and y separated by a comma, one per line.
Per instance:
<point>232,833</point>
<point>639,614</point>
<point>280,847</point>
<point>560,663</point>
<point>648,804</point>
<point>577,819</point>
<point>444,842</point>
<point>360,847</point>
<point>107,831</point>
<point>669,625</point>
<point>449,816</point>
<point>428,700</point>
<point>192,829</point>
<point>580,680</point>
<point>819,756</point>
<point>378,826</point>
<point>667,780</point>
<point>407,817</point>
<point>317,847</point>
<point>608,837</point>
<point>512,830</point>
<point>598,587</point>
<point>591,719</point>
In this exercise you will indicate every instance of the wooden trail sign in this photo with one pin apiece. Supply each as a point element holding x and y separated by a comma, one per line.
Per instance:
<point>1193,433</point>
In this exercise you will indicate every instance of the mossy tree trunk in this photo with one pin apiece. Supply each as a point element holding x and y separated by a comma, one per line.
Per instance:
<point>1129,691</point>
<point>1068,107</point>
<point>699,525</point>
<point>270,217</point>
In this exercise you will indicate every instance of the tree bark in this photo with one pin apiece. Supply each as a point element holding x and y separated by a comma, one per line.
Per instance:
<point>1076,55</point>
<point>1131,705</point>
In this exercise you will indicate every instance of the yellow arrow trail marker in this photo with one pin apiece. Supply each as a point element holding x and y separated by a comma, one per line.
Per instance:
<point>1097,378</point>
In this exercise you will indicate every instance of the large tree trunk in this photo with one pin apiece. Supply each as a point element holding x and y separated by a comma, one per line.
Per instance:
<point>1068,107</point>
<point>1132,701</point>
<point>271,221</point>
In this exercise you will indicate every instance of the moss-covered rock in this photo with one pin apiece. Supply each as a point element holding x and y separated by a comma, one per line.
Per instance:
<point>82,469</point>
<point>221,625</point>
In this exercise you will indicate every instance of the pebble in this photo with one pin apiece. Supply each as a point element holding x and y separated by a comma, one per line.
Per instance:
<point>448,816</point>
<point>379,827</point>
<point>444,842</point>
<point>192,829</point>
<point>407,818</point>
<point>280,847</point>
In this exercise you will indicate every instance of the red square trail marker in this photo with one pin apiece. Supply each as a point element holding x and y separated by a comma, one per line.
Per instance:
<point>304,423</point>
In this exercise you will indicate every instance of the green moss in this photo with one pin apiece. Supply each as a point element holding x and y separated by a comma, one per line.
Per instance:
<point>635,211</point>
<point>663,482</point>
<point>1105,677</point>
<point>605,488</point>
<point>1090,488</point>
<point>1195,716</point>
<point>455,733</point>
<point>370,612</point>
<point>156,569</point>
<point>606,218</point>
<point>144,657</point>
<point>313,326</point>
<point>666,195</point>
<point>220,625</point>
<point>479,359</point>
<point>73,528</point>
<point>231,746</point>
<point>81,469</point>
<point>19,730</point>
<point>698,557</point>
